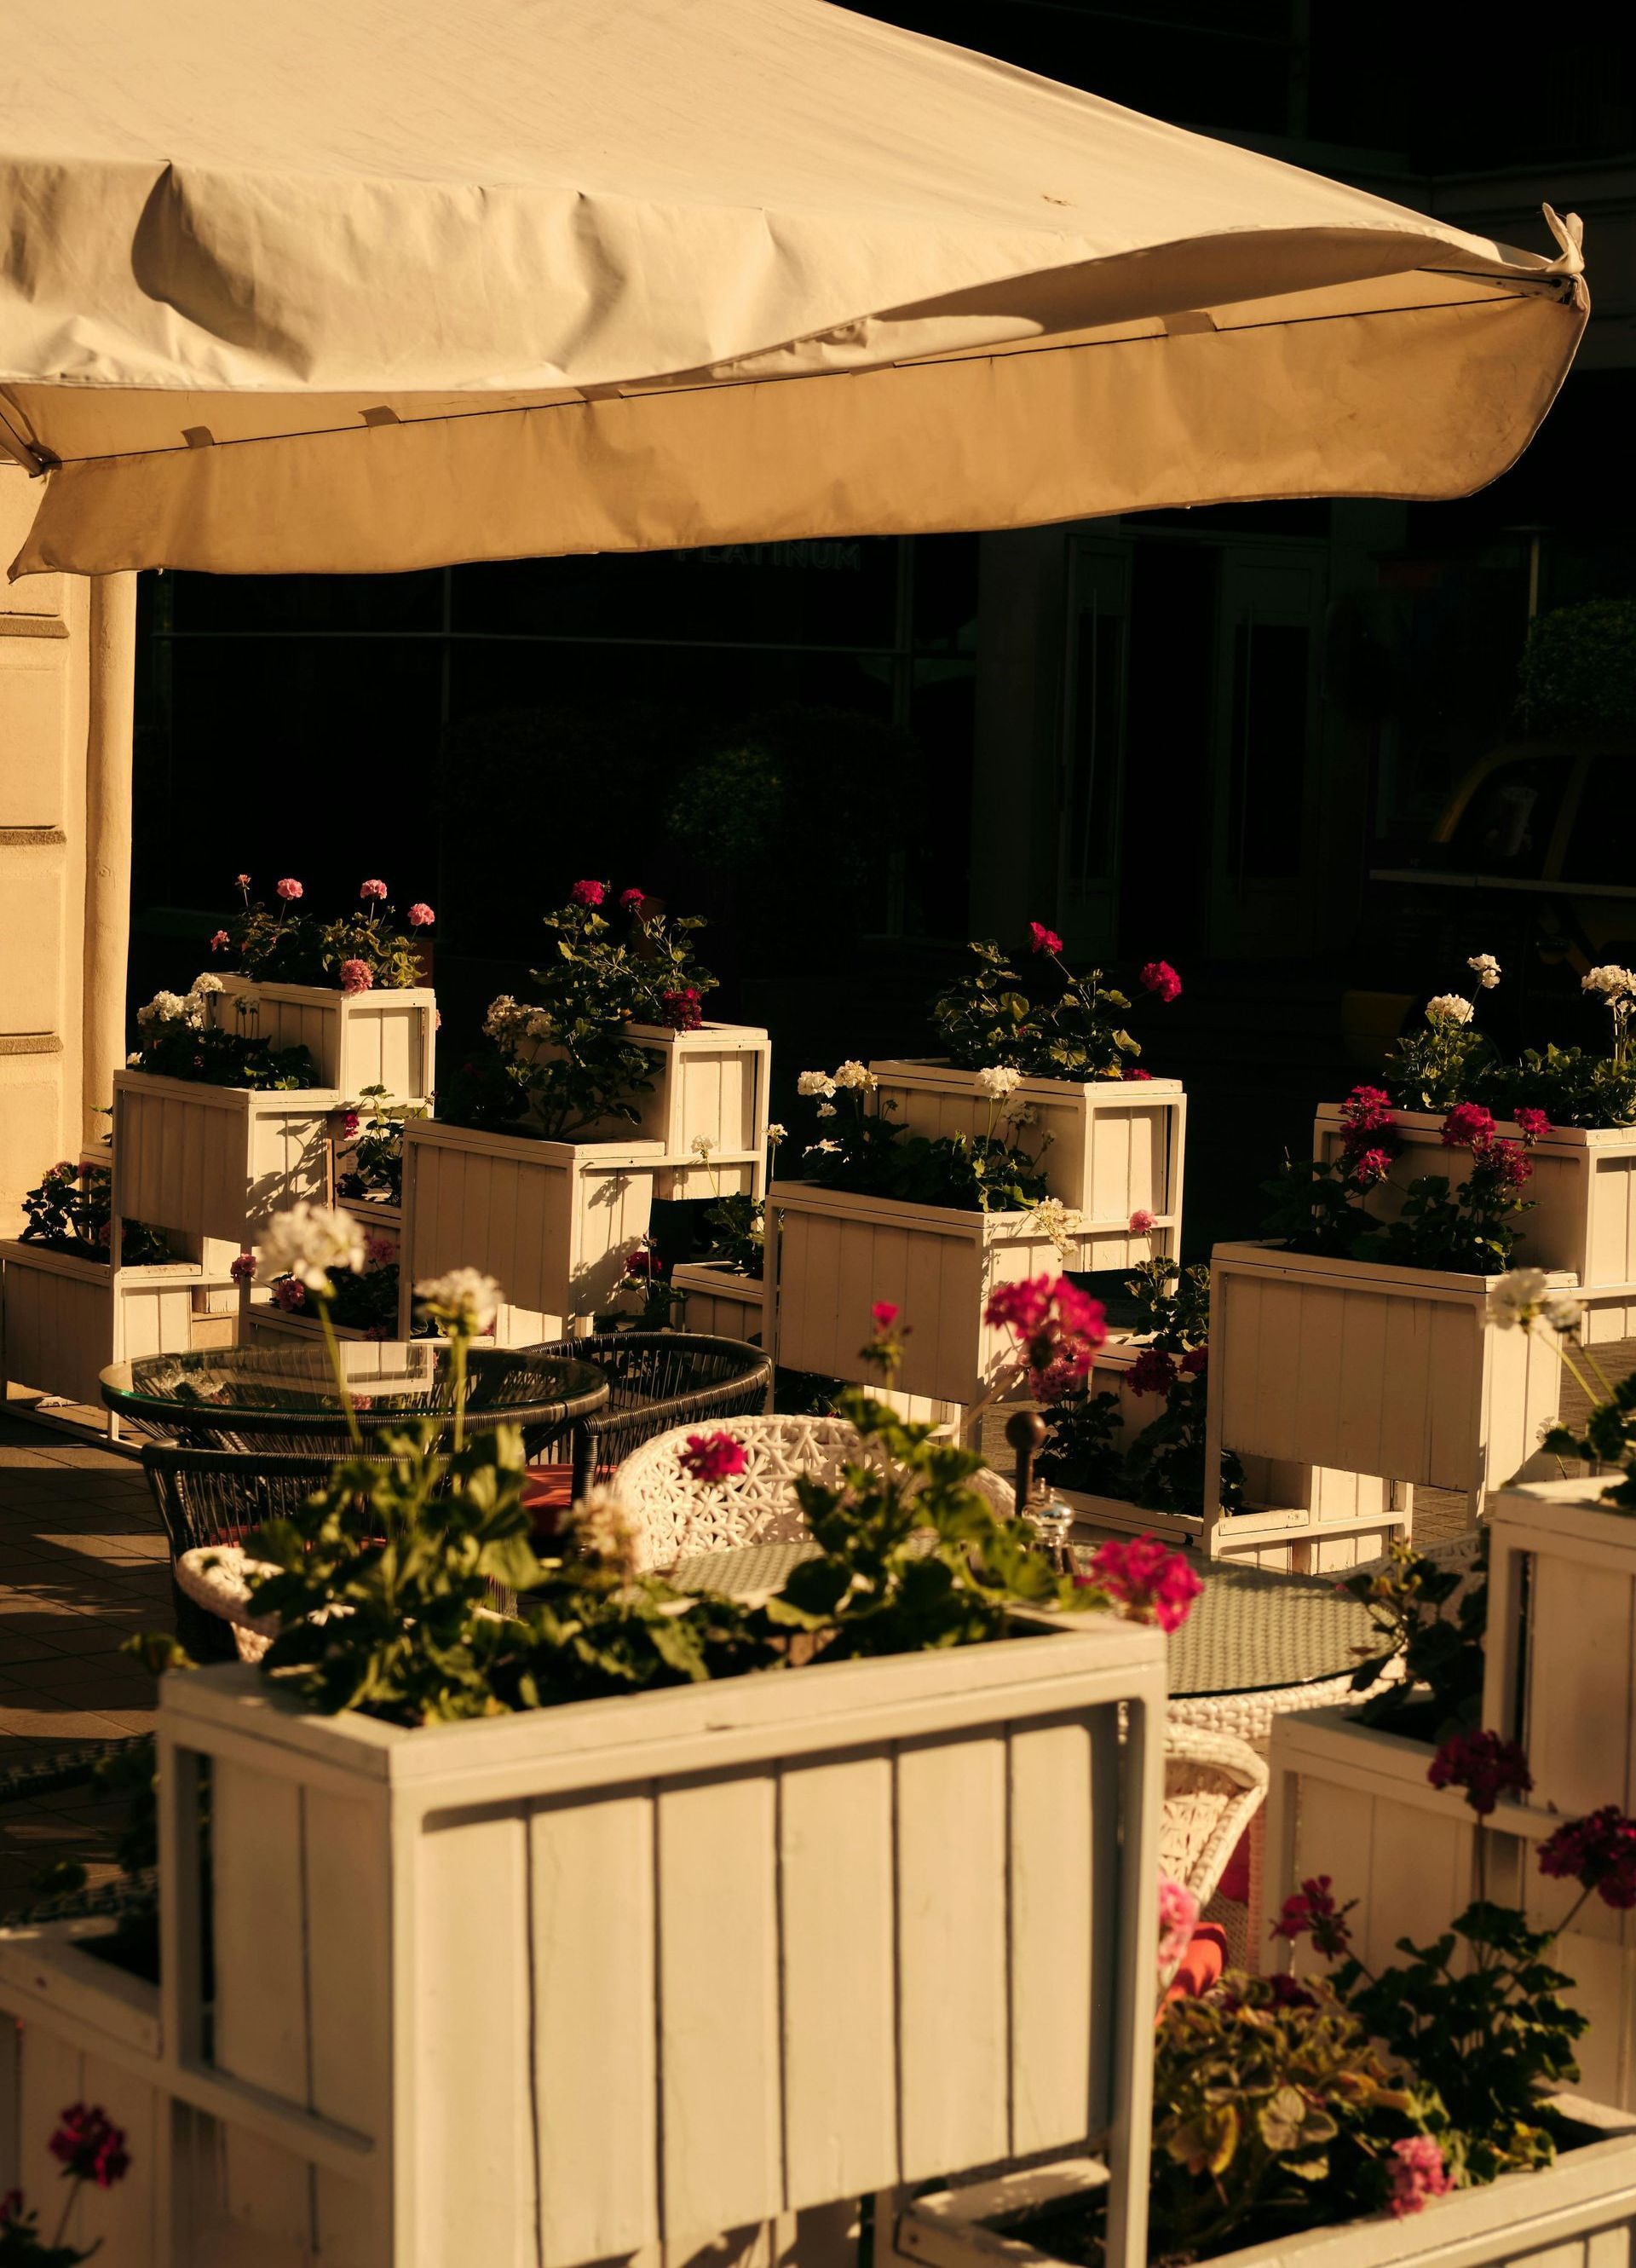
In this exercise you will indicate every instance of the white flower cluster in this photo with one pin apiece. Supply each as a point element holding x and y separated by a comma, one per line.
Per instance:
<point>508,1021</point>
<point>306,1242</point>
<point>775,1134</point>
<point>1486,969</point>
<point>207,981</point>
<point>702,1146</point>
<point>1522,1295</point>
<point>1614,984</point>
<point>171,1008</point>
<point>997,1081</point>
<point>604,1528</point>
<point>1449,1008</point>
<point>815,1082</point>
<point>852,1074</point>
<point>464,1297</point>
<point>1059,1222</point>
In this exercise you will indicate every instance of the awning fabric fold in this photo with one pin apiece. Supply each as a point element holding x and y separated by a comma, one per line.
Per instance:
<point>321,289</point>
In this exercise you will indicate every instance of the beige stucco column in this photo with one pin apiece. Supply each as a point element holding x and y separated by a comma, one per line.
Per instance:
<point>108,838</point>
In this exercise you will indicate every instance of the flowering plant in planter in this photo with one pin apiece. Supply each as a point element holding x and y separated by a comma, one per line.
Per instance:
<point>176,1042</point>
<point>72,1212</point>
<point>864,1151</point>
<point>364,1297</point>
<point>1449,1062</point>
<point>359,951</point>
<point>1163,1469</point>
<point>564,1059</point>
<point>90,2148</point>
<point>1469,1227</point>
<point>1070,1031</point>
<point>413,1543</point>
<point>1479,2016</point>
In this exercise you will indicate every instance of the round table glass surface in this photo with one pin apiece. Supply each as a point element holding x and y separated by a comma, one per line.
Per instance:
<point>387,1379</point>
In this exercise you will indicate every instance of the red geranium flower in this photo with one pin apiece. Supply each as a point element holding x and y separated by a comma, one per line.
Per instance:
<point>1044,939</point>
<point>1160,977</point>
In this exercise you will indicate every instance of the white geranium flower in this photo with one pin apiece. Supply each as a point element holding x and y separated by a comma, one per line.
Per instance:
<point>1610,981</point>
<point>1486,968</point>
<point>775,1134</point>
<point>132,1059</point>
<point>206,981</point>
<point>1560,1310</point>
<point>1449,1008</point>
<point>825,1110</point>
<point>1515,1298</point>
<point>831,1149</point>
<point>536,1027</point>
<point>702,1146</point>
<point>306,1242</point>
<point>815,1082</point>
<point>464,1297</point>
<point>852,1073</point>
<point>605,1528</point>
<point>1059,1222</point>
<point>164,1008</point>
<point>997,1081</point>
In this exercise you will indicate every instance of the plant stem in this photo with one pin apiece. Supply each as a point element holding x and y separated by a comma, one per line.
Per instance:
<point>456,1360</point>
<point>337,1371</point>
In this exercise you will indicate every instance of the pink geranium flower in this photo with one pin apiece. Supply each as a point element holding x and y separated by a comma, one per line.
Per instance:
<point>1140,1221</point>
<point>1159,977</point>
<point>90,2148</point>
<point>244,1268</point>
<point>710,1457</point>
<point>1178,1918</point>
<point>290,1295</point>
<point>1057,1328</point>
<point>1133,1072</point>
<point>243,880</point>
<point>885,1313</point>
<point>420,916</point>
<point>588,894</point>
<point>1369,1169</point>
<point>355,976</point>
<point>1152,1372</point>
<point>220,942</point>
<point>1599,1852</point>
<point>633,900</point>
<point>1152,1583</point>
<point>682,1009</point>
<point>371,889</point>
<point>289,889</point>
<point>1044,939</point>
<point>1417,2172</point>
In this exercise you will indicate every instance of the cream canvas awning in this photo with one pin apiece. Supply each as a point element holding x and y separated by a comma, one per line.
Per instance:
<point>346,285</point>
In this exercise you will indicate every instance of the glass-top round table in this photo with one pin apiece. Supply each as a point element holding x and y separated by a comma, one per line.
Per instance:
<point>272,1396</point>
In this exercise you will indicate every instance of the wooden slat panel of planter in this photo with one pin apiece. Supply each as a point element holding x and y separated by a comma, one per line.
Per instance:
<point>553,1222</point>
<point>720,1302</point>
<point>216,1162</point>
<point>1391,1372</point>
<point>665,1966</point>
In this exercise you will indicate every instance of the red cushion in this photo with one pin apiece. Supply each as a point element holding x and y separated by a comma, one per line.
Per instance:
<point>1201,1964</point>
<point>548,1493</point>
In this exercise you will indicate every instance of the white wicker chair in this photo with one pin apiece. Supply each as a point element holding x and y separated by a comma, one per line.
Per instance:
<point>679,1516</point>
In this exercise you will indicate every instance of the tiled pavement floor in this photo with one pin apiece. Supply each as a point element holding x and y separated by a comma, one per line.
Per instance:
<point>83,1566</point>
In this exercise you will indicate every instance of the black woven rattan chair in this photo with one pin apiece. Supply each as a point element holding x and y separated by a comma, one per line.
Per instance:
<point>221,1495</point>
<point>657,1379</point>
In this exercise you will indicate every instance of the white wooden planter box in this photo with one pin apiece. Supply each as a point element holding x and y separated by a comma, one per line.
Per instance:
<point>1390,1372</point>
<point>1561,1662</point>
<point>217,1161</point>
<point>270,1325</point>
<point>710,1085</point>
<point>838,1253</point>
<point>1297,1519</point>
<point>1580,2211</point>
<point>1583,1190</point>
<point>82,2031</point>
<point>1117,1144</point>
<point>356,1039</point>
<point>382,1220</point>
<point>721,1300</point>
<point>1352,1801</point>
<point>67,1318</point>
<point>554,1222</point>
<point>558,1986</point>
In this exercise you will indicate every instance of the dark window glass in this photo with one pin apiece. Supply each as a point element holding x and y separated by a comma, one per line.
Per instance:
<point>1507,824</point>
<point>1097,749</point>
<point>1271,666</point>
<point>1603,845</point>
